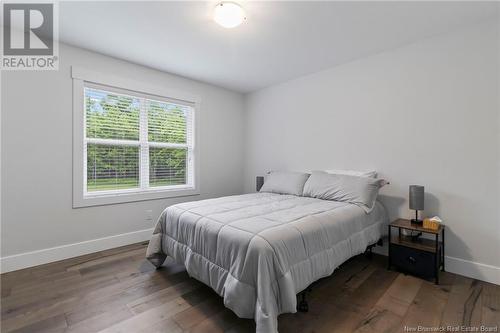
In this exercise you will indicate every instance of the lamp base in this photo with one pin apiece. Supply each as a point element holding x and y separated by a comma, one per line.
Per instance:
<point>416,221</point>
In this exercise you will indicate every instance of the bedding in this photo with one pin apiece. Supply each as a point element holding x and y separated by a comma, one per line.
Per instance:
<point>285,182</point>
<point>259,250</point>
<point>361,191</point>
<point>371,174</point>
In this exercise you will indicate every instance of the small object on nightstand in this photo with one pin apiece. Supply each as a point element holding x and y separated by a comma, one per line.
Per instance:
<point>432,223</point>
<point>415,236</point>
<point>416,200</point>
<point>422,256</point>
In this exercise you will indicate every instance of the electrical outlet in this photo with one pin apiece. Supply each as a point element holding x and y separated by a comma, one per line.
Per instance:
<point>149,215</point>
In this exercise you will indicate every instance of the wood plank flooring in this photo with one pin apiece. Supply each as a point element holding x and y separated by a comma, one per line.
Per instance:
<point>119,291</point>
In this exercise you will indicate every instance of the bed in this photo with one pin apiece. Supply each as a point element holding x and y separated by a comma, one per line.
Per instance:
<point>258,251</point>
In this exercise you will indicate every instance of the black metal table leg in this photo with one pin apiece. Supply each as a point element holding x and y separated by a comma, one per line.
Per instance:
<point>442,249</point>
<point>437,258</point>
<point>389,244</point>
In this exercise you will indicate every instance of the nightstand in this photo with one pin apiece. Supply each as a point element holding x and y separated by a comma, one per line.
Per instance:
<point>421,256</point>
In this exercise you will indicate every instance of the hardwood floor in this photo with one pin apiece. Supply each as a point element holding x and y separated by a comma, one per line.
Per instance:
<point>119,291</point>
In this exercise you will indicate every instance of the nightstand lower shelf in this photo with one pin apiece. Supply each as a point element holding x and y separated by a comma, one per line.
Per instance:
<point>422,244</point>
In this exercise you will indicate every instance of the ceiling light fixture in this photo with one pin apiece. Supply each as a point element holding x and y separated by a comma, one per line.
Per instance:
<point>229,14</point>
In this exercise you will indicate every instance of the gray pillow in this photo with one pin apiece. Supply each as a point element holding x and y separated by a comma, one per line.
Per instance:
<point>285,182</point>
<point>361,191</point>
<point>371,174</point>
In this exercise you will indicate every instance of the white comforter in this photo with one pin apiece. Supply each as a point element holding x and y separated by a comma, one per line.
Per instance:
<point>259,250</point>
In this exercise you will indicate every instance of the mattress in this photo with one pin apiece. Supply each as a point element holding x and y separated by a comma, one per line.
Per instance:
<point>259,250</point>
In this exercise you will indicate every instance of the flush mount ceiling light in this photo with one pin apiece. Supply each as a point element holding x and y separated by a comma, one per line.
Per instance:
<point>229,14</point>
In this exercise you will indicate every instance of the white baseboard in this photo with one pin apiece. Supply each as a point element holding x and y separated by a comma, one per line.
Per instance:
<point>39,257</point>
<point>459,266</point>
<point>473,269</point>
<point>467,268</point>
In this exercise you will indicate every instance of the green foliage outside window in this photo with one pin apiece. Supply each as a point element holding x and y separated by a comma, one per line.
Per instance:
<point>114,116</point>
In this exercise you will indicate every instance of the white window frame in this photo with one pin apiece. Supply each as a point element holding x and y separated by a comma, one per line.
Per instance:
<point>81,198</point>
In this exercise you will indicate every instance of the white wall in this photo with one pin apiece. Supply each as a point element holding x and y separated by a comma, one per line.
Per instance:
<point>37,157</point>
<point>424,114</point>
<point>427,114</point>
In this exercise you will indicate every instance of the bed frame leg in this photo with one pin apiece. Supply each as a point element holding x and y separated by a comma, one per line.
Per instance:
<point>369,253</point>
<point>303,306</point>
<point>369,249</point>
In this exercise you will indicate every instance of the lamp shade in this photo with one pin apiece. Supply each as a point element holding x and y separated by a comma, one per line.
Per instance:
<point>416,197</point>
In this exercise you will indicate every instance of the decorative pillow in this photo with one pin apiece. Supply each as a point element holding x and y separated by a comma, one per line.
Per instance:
<point>361,191</point>
<point>371,173</point>
<point>285,182</point>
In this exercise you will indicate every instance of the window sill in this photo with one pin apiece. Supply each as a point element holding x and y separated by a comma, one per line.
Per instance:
<point>124,197</point>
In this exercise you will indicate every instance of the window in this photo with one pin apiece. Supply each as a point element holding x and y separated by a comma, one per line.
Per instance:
<point>135,145</point>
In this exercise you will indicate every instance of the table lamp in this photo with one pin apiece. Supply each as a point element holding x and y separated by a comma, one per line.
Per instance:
<point>416,201</point>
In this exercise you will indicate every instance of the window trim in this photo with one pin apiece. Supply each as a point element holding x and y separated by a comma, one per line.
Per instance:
<point>81,76</point>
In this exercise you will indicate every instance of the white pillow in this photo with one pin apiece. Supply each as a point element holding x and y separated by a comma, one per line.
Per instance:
<point>285,182</point>
<point>371,174</point>
<point>361,191</point>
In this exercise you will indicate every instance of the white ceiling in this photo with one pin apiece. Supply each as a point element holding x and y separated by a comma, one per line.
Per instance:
<point>279,40</point>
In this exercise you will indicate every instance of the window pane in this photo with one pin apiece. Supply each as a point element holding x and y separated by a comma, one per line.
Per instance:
<point>111,116</point>
<point>167,122</point>
<point>112,167</point>
<point>167,166</point>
